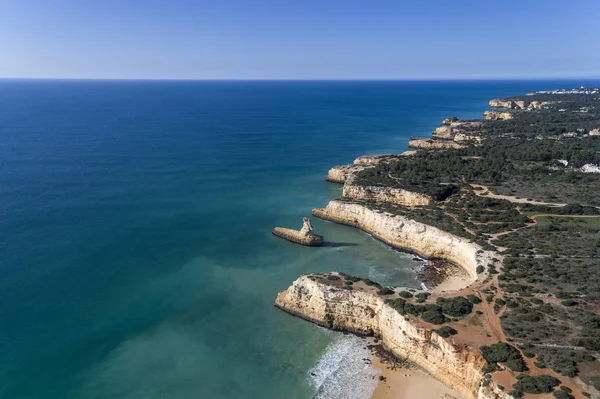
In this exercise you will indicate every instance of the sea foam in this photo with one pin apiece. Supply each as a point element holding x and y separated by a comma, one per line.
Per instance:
<point>344,371</point>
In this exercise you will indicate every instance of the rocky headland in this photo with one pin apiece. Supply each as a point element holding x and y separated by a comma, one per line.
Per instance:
<point>362,311</point>
<point>432,144</point>
<point>406,234</point>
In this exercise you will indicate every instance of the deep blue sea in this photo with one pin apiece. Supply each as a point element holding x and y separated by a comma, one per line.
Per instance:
<point>137,259</point>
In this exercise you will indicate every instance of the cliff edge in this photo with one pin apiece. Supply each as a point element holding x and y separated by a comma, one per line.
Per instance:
<point>363,312</point>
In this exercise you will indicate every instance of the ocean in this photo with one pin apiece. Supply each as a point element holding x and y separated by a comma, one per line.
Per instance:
<point>135,230</point>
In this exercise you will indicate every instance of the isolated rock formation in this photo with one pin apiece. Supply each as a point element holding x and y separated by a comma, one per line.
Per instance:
<point>305,236</point>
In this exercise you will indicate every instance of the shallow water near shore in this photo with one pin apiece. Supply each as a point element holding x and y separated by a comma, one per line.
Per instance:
<point>136,218</point>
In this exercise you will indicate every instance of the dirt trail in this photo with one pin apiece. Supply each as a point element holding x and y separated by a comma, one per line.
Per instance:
<point>562,216</point>
<point>485,192</point>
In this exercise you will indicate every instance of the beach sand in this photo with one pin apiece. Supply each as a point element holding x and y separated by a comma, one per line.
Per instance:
<point>453,282</point>
<point>409,383</point>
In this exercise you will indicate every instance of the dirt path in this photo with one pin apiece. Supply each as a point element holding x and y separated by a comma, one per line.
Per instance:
<point>485,192</point>
<point>562,216</point>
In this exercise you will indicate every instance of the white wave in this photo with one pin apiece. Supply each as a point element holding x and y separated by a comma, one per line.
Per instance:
<point>344,370</point>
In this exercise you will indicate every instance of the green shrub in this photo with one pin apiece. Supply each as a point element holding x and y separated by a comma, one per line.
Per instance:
<point>385,291</point>
<point>456,307</point>
<point>504,353</point>
<point>422,296</point>
<point>434,317</point>
<point>569,302</point>
<point>539,364</point>
<point>561,395</point>
<point>565,366</point>
<point>595,382</point>
<point>538,384</point>
<point>446,331</point>
<point>371,283</point>
<point>474,299</point>
<point>405,294</point>
<point>398,305</point>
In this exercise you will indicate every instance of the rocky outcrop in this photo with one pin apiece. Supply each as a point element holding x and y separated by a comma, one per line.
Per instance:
<point>392,195</point>
<point>497,116</point>
<point>305,236</point>
<point>462,137</point>
<point>500,103</point>
<point>363,312</point>
<point>404,233</point>
<point>449,121</point>
<point>451,127</point>
<point>431,144</point>
<point>443,132</point>
<point>517,104</point>
<point>339,174</point>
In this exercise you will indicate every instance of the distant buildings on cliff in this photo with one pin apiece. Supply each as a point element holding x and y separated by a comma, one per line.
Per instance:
<point>581,90</point>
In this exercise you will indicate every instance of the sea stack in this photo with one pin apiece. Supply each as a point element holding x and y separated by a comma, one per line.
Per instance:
<point>305,236</point>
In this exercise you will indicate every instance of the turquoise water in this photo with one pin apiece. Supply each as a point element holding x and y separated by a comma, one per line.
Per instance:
<point>135,218</point>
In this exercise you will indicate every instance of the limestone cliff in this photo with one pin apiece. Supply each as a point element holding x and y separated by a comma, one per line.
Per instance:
<point>339,174</point>
<point>443,132</point>
<point>364,312</point>
<point>431,144</point>
<point>404,233</point>
<point>462,137</point>
<point>497,116</point>
<point>392,195</point>
<point>517,104</point>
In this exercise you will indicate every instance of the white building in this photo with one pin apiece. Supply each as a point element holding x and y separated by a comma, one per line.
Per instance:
<point>590,168</point>
<point>595,132</point>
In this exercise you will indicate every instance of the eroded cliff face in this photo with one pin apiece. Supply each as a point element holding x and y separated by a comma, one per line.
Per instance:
<point>518,104</point>
<point>404,233</point>
<point>430,144</point>
<point>339,174</point>
<point>364,312</point>
<point>392,195</point>
<point>497,116</point>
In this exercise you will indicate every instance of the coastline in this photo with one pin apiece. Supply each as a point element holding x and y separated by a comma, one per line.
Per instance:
<point>400,379</point>
<point>409,383</point>
<point>462,231</point>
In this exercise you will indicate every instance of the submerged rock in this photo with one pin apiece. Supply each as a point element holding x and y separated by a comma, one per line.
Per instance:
<point>304,236</point>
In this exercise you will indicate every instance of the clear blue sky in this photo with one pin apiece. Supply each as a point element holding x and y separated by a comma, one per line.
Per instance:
<point>299,39</point>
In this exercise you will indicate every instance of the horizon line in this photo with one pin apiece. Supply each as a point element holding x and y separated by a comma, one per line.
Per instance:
<point>404,79</point>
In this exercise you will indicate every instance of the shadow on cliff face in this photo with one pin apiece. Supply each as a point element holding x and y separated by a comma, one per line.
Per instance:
<point>339,244</point>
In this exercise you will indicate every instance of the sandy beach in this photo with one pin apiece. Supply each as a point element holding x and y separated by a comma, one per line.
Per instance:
<point>454,282</point>
<point>409,383</point>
